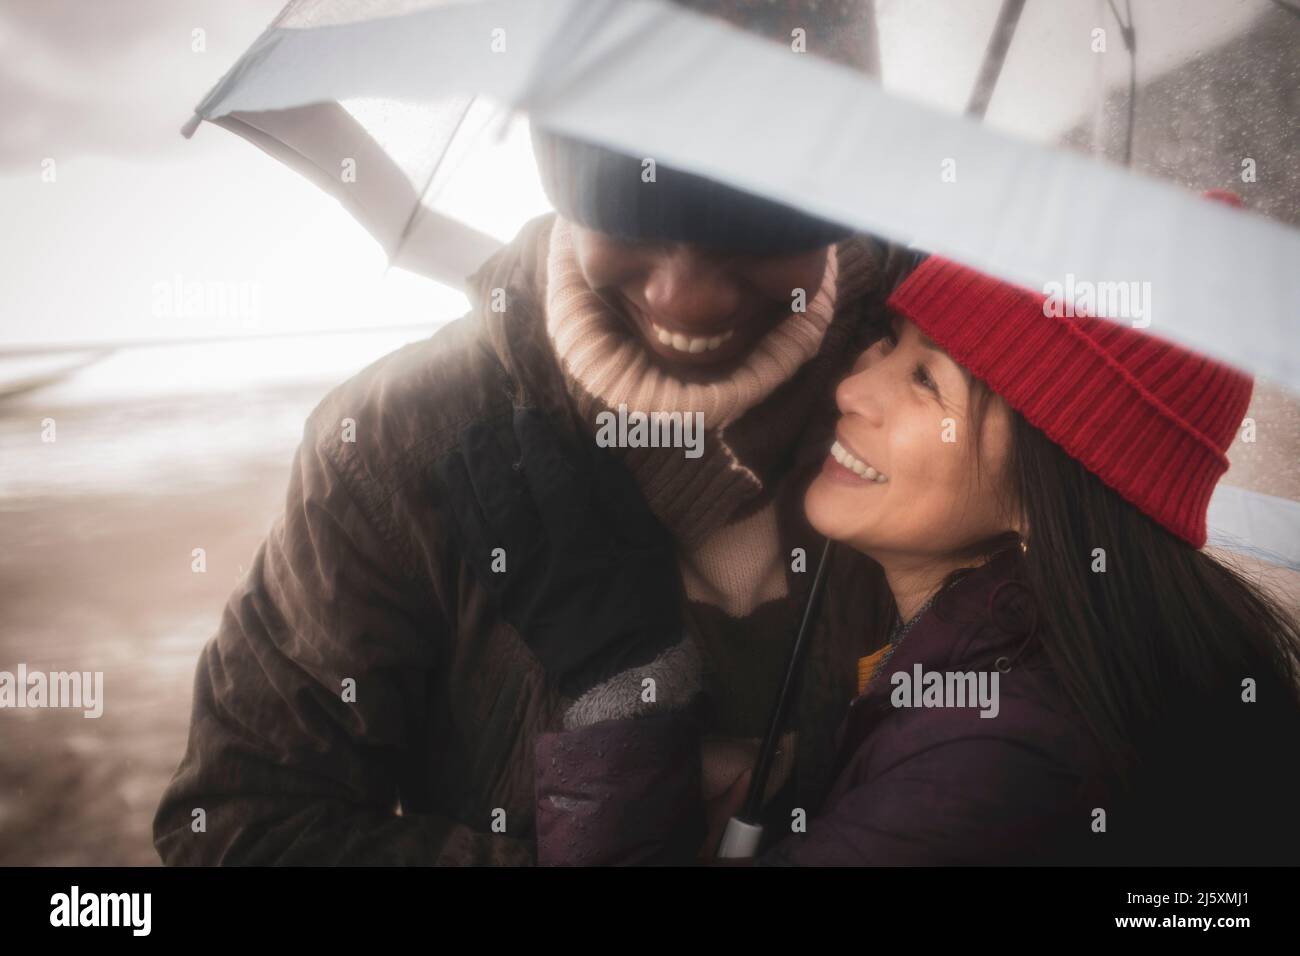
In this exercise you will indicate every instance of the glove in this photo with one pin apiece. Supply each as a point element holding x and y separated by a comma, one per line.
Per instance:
<point>590,578</point>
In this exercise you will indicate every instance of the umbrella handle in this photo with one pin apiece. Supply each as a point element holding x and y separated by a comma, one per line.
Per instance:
<point>739,840</point>
<point>763,765</point>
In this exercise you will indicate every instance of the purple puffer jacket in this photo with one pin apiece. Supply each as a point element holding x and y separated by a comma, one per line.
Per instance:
<point>914,783</point>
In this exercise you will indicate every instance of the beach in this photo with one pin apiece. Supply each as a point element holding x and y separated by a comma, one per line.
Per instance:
<point>100,528</point>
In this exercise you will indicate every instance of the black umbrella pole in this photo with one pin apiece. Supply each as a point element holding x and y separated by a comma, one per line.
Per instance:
<point>743,832</point>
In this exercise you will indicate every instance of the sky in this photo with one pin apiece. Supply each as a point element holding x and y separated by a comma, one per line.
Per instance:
<point>137,209</point>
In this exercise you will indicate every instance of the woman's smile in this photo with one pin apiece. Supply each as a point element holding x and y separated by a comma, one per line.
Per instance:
<point>843,454</point>
<point>903,433</point>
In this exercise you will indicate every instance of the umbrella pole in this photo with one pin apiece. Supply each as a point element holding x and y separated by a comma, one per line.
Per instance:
<point>1130,44</point>
<point>994,57</point>
<point>742,835</point>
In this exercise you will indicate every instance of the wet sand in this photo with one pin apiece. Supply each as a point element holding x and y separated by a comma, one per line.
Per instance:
<point>103,582</point>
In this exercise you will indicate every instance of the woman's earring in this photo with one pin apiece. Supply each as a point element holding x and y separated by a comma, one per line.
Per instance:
<point>1024,546</point>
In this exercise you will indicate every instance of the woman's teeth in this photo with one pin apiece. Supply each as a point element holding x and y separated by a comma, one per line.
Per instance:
<point>859,468</point>
<point>690,343</point>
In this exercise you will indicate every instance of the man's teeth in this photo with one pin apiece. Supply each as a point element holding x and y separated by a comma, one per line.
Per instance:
<point>690,343</point>
<point>859,468</point>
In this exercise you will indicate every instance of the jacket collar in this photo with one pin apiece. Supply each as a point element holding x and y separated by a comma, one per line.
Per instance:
<point>531,374</point>
<point>983,621</point>
<point>986,619</point>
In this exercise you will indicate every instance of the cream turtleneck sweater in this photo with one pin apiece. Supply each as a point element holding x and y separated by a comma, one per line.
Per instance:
<point>726,527</point>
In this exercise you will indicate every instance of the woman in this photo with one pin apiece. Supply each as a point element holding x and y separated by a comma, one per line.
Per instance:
<point>1069,677</point>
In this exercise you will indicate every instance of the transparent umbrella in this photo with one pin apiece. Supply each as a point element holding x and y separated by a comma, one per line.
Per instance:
<point>1061,145</point>
<point>385,103</point>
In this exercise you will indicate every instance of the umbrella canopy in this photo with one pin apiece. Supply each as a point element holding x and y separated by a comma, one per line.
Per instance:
<point>392,105</point>
<point>652,79</point>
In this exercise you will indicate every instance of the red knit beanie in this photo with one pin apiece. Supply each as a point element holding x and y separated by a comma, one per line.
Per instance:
<point>1150,419</point>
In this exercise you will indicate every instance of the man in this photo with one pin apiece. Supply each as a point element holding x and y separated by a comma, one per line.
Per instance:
<point>365,701</point>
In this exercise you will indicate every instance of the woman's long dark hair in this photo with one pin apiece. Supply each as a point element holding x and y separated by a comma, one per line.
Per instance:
<point>1171,655</point>
<point>1156,652</point>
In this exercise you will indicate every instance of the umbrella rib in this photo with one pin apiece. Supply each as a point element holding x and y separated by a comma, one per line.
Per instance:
<point>1130,43</point>
<point>428,184</point>
<point>1293,10</point>
<point>994,57</point>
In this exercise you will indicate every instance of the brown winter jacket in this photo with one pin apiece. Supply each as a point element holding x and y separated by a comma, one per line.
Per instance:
<point>361,702</point>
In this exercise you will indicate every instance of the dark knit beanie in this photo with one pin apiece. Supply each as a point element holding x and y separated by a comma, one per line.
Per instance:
<point>603,189</point>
